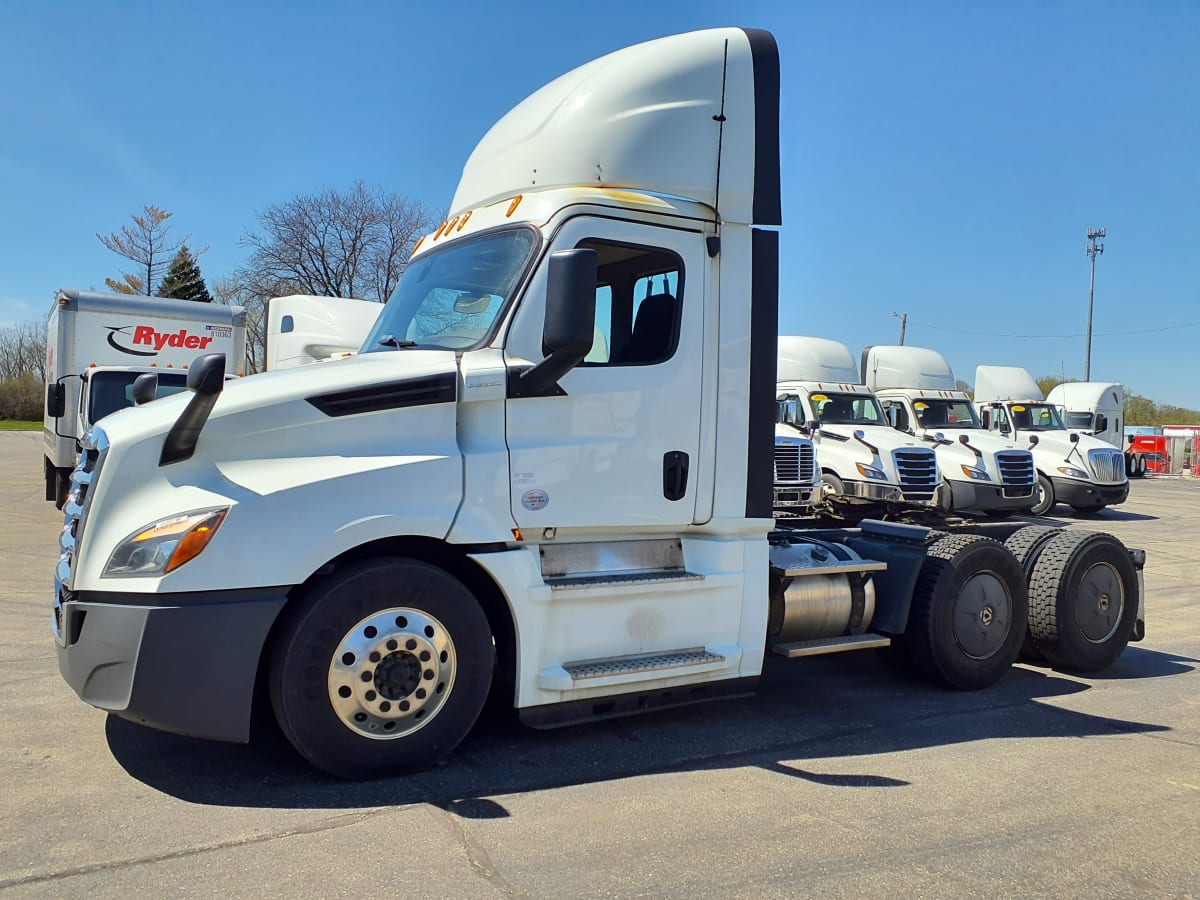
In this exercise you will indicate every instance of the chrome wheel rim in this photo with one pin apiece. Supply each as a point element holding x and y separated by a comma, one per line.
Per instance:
<point>1100,603</point>
<point>982,615</point>
<point>391,673</point>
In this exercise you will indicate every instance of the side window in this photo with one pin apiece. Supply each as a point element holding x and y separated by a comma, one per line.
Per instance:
<point>897,414</point>
<point>1002,420</point>
<point>639,304</point>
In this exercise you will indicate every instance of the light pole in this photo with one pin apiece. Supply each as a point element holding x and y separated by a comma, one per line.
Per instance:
<point>1093,248</point>
<point>903,317</point>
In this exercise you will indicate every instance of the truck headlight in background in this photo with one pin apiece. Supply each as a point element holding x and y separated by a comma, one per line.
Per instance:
<point>165,545</point>
<point>871,472</point>
<point>976,474</point>
<point>1072,472</point>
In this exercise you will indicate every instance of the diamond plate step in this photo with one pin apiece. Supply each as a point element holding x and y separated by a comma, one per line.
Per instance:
<point>656,576</point>
<point>645,662</point>
<point>831,645</point>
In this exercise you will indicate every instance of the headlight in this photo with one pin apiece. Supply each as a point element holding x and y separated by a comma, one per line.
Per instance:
<point>871,472</point>
<point>165,545</point>
<point>976,474</point>
<point>1072,472</point>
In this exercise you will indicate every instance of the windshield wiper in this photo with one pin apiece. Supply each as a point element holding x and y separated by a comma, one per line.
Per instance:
<point>390,340</point>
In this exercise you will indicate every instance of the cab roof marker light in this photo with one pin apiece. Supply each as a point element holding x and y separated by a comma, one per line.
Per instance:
<point>417,245</point>
<point>463,220</point>
<point>512,207</point>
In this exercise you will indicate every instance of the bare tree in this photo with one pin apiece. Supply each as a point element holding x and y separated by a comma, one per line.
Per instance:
<point>352,243</point>
<point>239,289</point>
<point>146,243</point>
<point>23,350</point>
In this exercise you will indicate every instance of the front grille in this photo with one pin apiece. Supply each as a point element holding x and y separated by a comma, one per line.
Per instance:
<point>1108,466</point>
<point>1016,468</point>
<point>95,444</point>
<point>794,463</point>
<point>917,469</point>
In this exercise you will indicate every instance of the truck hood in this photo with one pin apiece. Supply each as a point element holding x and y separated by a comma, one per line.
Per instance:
<point>884,437</point>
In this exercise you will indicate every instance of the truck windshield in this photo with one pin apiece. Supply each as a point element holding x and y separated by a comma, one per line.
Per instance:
<point>449,299</point>
<point>933,413</point>
<point>1080,420</point>
<point>110,391</point>
<point>846,409</point>
<point>1035,417</point>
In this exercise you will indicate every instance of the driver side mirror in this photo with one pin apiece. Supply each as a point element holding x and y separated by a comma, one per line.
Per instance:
<point>570,319</point>
<point>56,400</point>
<point>893,416</point>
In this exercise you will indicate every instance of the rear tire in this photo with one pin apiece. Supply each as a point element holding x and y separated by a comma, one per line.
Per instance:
<point>380,667</point>
<point>1141,466</point>
<point>1083,600</point>
<point>1045,496</point>
<point>1026,545</point>
<point>969,612</point>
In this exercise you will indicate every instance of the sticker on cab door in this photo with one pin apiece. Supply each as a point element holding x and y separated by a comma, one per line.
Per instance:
<point>535,500</point>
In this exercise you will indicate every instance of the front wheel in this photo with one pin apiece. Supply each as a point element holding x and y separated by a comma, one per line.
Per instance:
<point>833,484</point>
<point>1045,496</point>
<point>381,667</point>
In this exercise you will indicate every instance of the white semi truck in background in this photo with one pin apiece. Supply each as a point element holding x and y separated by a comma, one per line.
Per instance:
<point>987,472</point>
<point>470,505</point>
<point>1097,408</point>
<point>863,459</point>
<point>1074,468</point>
<point>305,328</point>
<point>98,344</point>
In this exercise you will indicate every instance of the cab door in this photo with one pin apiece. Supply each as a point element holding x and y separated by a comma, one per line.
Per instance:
<point>617,447</point>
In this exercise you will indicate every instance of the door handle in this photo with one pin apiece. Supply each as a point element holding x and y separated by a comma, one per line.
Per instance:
<point>675,474</point>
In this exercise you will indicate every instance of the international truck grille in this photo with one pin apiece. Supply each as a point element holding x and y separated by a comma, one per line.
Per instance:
<point>917,468</point>
<point>1108,466</point>
<point>794,464</point>
<point>95,445</point>
<point>1016,468</point>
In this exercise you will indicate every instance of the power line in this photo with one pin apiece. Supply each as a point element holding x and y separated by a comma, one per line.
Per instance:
<point>1058,336</point>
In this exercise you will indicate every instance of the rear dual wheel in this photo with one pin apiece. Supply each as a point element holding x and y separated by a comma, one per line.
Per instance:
<point>969,612</point>
<point>381,667</point>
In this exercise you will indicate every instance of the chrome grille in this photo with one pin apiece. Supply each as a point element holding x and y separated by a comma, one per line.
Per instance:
<point>95,444</point>
<point>917,469</point>
<point>1108,466</point>
<point>1016,468</point>
<point>794,462</point>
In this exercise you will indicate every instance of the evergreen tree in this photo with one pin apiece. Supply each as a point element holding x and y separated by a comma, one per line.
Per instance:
<point>183,279</point>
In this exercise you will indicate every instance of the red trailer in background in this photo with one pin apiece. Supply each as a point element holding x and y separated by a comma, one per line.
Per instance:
<point>1163,454</point>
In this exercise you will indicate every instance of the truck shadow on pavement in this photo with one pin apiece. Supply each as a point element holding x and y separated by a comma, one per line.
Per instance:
<point>805,718</point>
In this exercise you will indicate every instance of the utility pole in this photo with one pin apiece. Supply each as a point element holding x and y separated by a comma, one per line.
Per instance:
<point>1093,248</point>
<point>903,317</point>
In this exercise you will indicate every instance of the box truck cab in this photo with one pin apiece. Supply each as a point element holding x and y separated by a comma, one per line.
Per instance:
<point>1073,468</point>
<point>1097,408</point>
<point>98,344</point>
<point>986,472</point>
<point>863,459</point>
<point>471,502</point>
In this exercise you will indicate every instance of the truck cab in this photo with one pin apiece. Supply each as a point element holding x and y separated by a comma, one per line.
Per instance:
<point>863,459</point>
<point>987,472</point>
<point>1073,468</point>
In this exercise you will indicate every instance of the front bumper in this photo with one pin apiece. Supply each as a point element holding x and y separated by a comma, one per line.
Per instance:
<point>1086,495</point>
<point>795,495</point>
<point>983,497</point>
<point>184,663</point>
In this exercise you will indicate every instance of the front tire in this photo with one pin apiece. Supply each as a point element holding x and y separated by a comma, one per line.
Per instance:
<point>835,485</point>
<point>381,667</point>
<point>969,612</point>
<point>1045,496</point>
<point>1083,600</point>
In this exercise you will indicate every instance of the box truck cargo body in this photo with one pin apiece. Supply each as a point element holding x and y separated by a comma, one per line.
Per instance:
<point>98,344</point>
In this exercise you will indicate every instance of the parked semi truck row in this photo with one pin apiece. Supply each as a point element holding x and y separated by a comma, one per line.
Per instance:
<point>470,505</point>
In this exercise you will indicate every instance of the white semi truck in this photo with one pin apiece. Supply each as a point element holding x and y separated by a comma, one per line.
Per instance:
<point>468,505</point>
<point>1073,468</point>
<point>1097,408</point>
<point>304,328</point>
<point>98,344</point>
<point>987,472</point>
<point>863,459</point>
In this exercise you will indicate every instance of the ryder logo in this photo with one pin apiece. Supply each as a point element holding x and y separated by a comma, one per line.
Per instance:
<point>144,336</point>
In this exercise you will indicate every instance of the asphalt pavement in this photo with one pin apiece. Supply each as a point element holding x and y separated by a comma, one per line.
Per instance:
<point>840,778</point>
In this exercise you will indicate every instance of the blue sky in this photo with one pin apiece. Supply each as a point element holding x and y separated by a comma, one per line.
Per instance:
<point>942,160</point>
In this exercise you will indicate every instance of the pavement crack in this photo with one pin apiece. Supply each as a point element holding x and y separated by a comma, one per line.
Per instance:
<point>477,856</point>
<point>330,824</point>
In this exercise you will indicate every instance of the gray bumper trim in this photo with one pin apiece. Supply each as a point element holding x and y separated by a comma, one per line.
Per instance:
<point>179,663</point>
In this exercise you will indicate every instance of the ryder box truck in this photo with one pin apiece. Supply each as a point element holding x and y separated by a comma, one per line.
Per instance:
<point>470,505</point>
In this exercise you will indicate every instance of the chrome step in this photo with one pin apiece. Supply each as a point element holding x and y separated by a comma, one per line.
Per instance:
<point>831,645</point>
<point>655,576</point>
<point>644,662</point>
